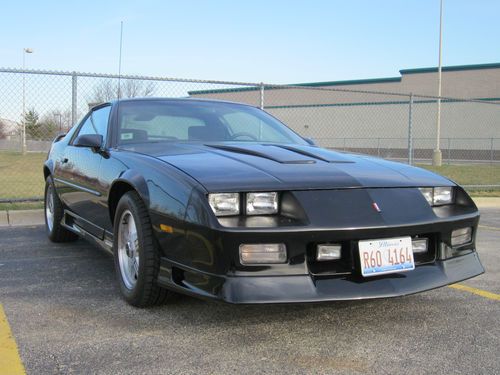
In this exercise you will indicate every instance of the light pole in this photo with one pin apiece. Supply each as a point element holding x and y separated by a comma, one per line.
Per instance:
<point>437,156</point>
<point>60,120</point>
<point>25,51</point>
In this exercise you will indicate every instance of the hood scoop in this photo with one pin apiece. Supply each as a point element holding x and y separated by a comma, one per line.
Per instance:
<point>271,152</point>
<point>318,153</point>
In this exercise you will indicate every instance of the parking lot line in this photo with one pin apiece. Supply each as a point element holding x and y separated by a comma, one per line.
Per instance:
<point>10,362</point>
<point>479,292</point>
<point>488,227</point>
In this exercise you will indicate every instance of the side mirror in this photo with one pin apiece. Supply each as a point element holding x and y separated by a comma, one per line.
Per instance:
<point>59,137</point>
<point>93,141</point>
<point>310,141</point>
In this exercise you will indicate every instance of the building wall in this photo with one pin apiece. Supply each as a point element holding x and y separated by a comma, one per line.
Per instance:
<point>337,118</point>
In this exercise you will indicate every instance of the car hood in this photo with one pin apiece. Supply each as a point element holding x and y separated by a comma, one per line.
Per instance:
<point>244,167</point>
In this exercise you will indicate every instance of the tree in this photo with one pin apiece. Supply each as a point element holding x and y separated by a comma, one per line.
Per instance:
<point>3,132</point>
<point>31,125</point>
<point>129,88</point>
<point>60,120</point>
<point>52,123</point>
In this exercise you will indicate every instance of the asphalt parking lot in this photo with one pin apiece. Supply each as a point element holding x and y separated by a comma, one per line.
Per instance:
<point>66,315</point>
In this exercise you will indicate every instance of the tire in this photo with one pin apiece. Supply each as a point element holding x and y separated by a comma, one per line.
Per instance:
<point>136,255</point>
<point>53,213</point>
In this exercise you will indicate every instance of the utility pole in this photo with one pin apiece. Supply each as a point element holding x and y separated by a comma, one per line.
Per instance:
<point>25,51</point>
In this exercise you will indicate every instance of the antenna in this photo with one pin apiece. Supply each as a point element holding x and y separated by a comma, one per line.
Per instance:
<point>119,77</point>
<point>120,61</point>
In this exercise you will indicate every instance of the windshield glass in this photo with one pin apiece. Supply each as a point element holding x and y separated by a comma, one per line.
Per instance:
<point>198,121</point>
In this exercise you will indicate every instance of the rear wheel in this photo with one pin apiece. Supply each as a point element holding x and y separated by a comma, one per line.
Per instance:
<point>54,212</point>
<point>137,257</point>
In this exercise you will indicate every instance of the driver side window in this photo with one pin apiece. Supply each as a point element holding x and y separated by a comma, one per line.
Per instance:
<point>97,123</point>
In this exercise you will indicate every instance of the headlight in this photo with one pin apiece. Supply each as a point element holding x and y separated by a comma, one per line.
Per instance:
<point>438,196</point>
<point>428,194</point>
<point>224,204</point>
<point>443,195</point>
<point>262,203</point>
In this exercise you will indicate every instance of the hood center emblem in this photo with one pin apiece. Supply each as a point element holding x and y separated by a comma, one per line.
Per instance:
<point>376,207</point>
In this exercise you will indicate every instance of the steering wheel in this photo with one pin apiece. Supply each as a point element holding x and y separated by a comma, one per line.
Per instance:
<point>243,134</point>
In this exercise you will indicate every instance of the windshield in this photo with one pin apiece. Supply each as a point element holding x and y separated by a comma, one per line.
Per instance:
<point>198,121</point>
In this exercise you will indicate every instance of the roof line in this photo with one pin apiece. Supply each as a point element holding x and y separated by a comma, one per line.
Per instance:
<point>349,82</point>
<point>307,84</point>
<point>353,81</point>
<point>451,68</point>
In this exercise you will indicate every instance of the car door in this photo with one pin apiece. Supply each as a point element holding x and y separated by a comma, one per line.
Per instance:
<point>79,173</point>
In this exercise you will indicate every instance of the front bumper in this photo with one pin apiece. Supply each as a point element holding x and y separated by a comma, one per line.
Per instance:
<point>288,289</point>
<point>306,288</point>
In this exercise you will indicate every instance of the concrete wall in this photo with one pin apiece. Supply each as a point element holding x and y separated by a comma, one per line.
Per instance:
<point>356,120</point>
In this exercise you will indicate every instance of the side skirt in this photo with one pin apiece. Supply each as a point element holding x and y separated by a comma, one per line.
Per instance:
<point>69,222</point>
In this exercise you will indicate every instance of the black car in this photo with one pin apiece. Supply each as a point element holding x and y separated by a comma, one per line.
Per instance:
<point>222,201</point>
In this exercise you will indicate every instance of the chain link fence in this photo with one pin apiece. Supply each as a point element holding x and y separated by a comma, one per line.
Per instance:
<point>37,105</point>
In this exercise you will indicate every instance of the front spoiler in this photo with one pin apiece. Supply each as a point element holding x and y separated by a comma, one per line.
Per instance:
<point>304,288</point>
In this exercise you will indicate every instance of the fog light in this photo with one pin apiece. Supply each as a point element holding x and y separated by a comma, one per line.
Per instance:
<point>328,252</point>
<point>419,245</point>
<point>461,236</point>
<point>262,253</point>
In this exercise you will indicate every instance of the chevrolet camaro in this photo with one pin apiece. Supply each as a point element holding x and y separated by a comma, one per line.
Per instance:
<point>222,201</point>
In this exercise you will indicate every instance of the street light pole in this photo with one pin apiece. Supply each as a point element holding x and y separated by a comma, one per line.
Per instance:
<point>60,121</point>
<point>25,51</point>
<point>437,156</point>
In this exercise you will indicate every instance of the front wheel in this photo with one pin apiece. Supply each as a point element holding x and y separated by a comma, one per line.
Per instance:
<point>137,258</point>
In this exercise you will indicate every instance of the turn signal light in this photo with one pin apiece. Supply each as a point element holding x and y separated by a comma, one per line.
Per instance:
<point>461,236</point>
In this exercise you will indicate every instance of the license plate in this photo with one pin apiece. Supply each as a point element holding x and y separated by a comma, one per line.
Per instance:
<point>388,255</point>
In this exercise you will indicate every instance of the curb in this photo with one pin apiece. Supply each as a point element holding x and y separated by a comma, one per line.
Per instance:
<point>18,218</point>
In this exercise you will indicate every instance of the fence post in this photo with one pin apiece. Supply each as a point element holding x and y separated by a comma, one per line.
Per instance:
<point>449,151</point>
<point>410,130</point>
<point>74,82</point>
<point>491,151</point>
<point>262,95</point>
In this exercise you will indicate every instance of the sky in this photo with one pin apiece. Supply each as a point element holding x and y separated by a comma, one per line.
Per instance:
<point>270,41</point>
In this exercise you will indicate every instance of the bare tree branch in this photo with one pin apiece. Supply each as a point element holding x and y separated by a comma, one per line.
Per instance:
<point>129,88</point>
